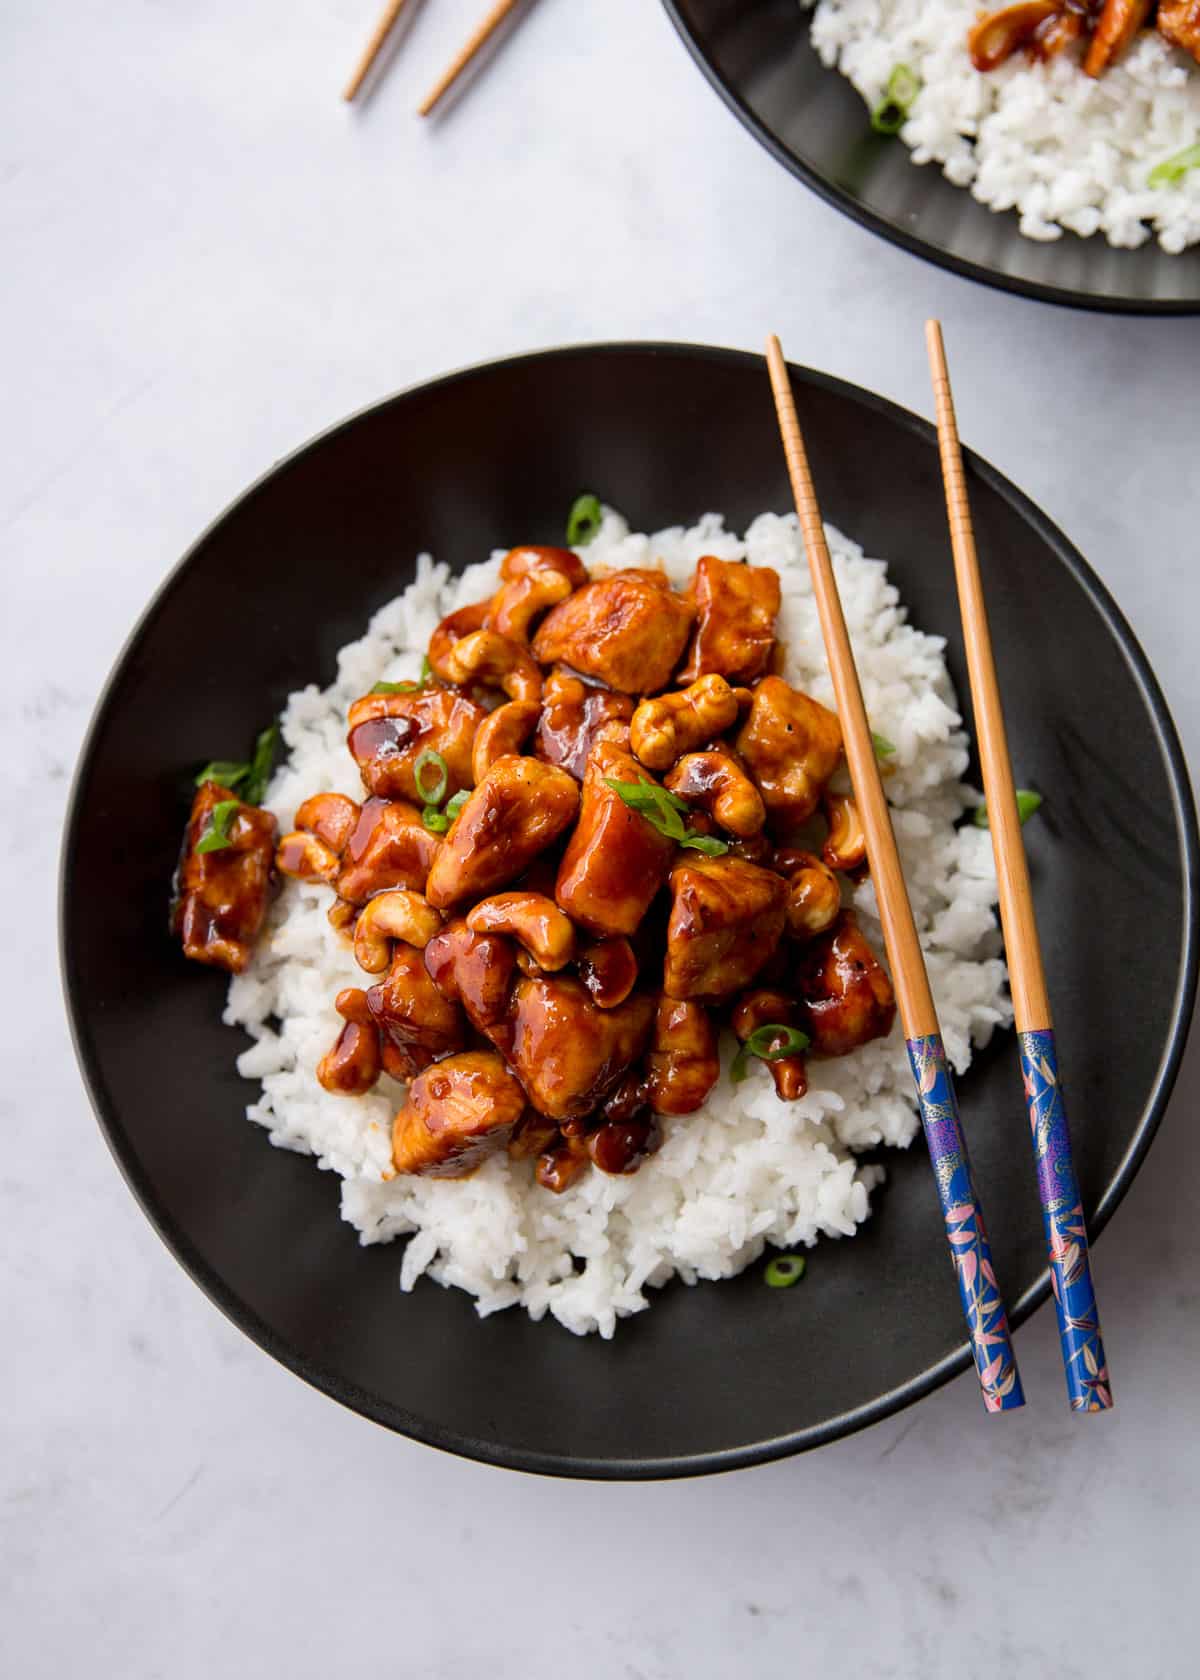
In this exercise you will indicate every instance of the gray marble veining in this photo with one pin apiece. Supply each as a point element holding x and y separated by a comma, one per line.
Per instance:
<point>207,257</point>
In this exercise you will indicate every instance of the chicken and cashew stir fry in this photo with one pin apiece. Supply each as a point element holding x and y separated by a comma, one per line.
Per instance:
<point>1103,29</point>
<point>598,829</point>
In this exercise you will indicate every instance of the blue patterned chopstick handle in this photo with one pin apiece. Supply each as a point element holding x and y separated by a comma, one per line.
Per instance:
<point>982,1305</point>
<point>1088,1387</point>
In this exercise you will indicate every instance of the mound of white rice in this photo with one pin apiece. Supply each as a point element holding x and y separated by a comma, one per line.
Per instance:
<point>1044,139</point>
<point>746,1169</point>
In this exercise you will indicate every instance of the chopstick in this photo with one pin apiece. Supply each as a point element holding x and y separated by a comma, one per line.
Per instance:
<point>373,47</point>
<point>1088,1386</point>
<point>983,1308</point>
<point>473,46</point>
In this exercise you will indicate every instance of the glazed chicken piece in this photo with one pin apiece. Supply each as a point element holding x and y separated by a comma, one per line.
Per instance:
<point>221,895</point>
<point>458,1112</point>
<point>627,630</point>
<point>736,607</point>
<point>519,808</point>
<point>573,712</point>
<point>765,1007</point>
<point>683,1064</point>
<point>415,1017</point>
<point>567,1053</point>
<point>847,997</point>
<point>476,970</point>
<point>609,970</point>
<point>1178,21</point>
<point>615,860</point>
<point>389,732</point>
<point>792,746</point>
<point>389,847</point>
<point>1118,23</point>
<point>726,920</point>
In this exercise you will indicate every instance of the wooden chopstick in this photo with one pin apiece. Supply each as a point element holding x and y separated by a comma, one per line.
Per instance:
<point>373,47</point>
<point>1088,1386</point>
<point>983,1307</point>
<point>474,45</point>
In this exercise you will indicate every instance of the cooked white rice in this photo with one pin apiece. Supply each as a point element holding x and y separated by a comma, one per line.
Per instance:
<point>746,1169</point>
<point>1065,151</point>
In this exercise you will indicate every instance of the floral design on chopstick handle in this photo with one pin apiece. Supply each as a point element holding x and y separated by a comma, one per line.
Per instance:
<point>1088,1387</point>
<point>982,1304</point>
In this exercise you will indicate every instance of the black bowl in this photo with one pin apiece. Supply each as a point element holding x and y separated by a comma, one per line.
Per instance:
<point>758,56</point>
<point>722,1374</point>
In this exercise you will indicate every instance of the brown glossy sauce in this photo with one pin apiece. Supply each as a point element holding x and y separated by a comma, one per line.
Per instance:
<point>380,737</point>
<point>364,828</point>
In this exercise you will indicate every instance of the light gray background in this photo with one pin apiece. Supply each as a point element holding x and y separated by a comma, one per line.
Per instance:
<point>206,258</point>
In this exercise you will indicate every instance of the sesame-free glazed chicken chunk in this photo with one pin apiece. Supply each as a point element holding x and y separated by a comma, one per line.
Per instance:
<point>569,1054</point>
<point>726,920</point>
<point>389,847</point>
<point>683,1064</point>
<point>519,808</point>
<point>573,713</point>
<point>736,607</point>
<point>414,1015</point>
<point>847,996</point>
<point>628,630</point>
<point>1178,21</point>
<point>615,860</point>
<point>389,732</point>
<point>221,894</point>
<point>458,1112</point>
<point>792,745</point>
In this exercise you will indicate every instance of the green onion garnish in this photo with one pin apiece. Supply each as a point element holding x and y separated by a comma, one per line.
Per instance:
<point>665,812</point>
<point>254,775</point>
<point>435,794</point>
<point>883,747</point>
<point>216,836</point>
<point>395,688</point>
<point>1172,169</point>
<point>584,520</point>
<point>426,670</point>
<point>437,821</point>
<point>902,88</point>
<point>770,1043</point>
<point>455,805</point>
<point>784,1271</point>
<point>1027,803</point>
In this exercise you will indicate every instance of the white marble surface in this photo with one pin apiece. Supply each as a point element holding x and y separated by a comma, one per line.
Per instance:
<point>206,258</point>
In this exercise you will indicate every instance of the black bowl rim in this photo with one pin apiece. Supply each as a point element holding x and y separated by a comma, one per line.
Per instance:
<point>430,1433</point>
<point>840,199</point>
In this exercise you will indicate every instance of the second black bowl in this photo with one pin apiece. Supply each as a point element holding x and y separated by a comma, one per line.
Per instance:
<point>758,56</point>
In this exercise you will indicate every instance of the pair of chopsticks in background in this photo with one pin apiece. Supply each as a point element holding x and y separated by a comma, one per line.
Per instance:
<point>469,52</point>
<point>1086,1369</point>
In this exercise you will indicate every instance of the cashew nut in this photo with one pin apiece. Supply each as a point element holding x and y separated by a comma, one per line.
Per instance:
<point>717,783</point>
<point>398,914</point>
<point>764,1008</point>
<point>451,631</point>
<point>332,817</point>
<point>503,731</point>
<point>341,915</point>
<point>353,1063</point>
<point>665,728</point>
<point>609,970</point>
<point>494,661</point>
<point>846,843</point>
<point>814,896</point>
<point>532,919</point>
<point>518,561</point>
<point>523,598</point>
<point>306,858</point>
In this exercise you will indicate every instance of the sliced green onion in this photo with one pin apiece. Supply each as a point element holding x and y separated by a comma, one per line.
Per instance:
<point>216,836</point>
<point>435,794</point>
<point>883,747</point>
<point>455,805</point>
<point>1174,168</point>
<point>784,1270</point>
<point>1027,803</point>
<point>436,821</point>
<point>426,670</point>
<point>395,688</point>
<point>902,88</point>
<point>255,775</point>
<point>770,1043</point>
<point>665,811</point>
<point>584,520</point>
